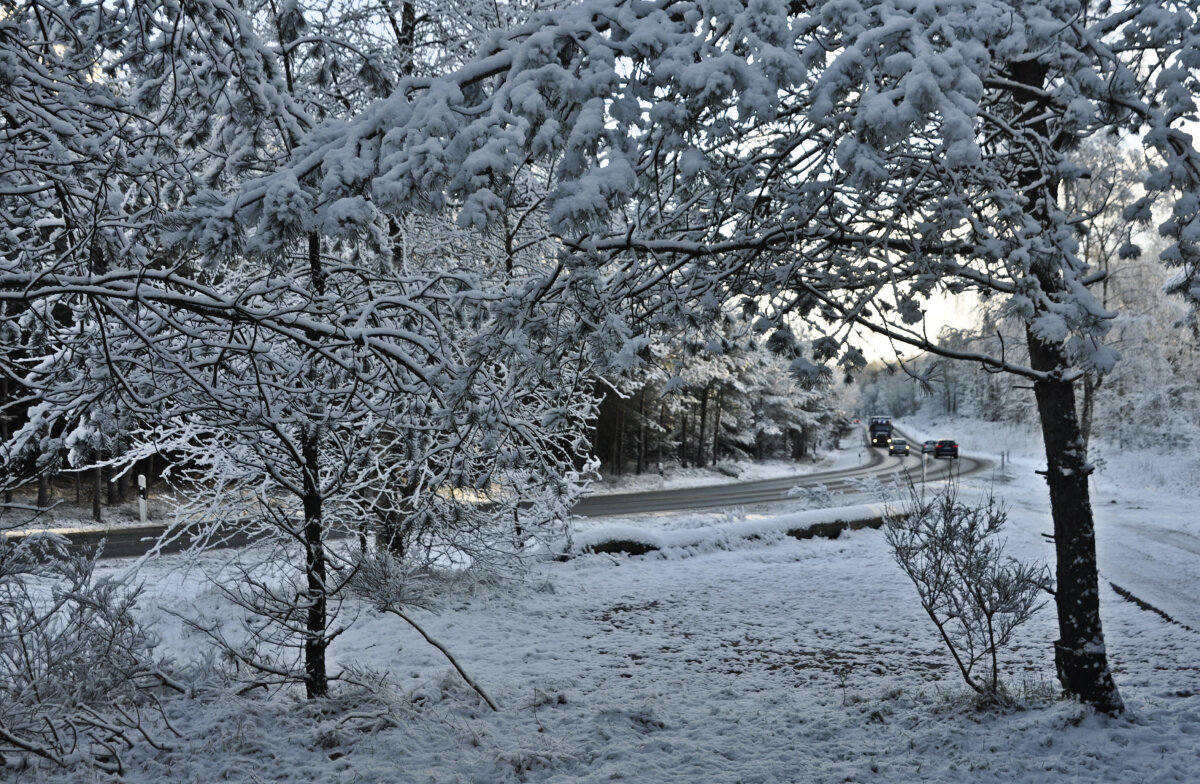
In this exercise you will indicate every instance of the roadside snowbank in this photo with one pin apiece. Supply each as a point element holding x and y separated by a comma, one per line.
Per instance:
<point>603,537</point>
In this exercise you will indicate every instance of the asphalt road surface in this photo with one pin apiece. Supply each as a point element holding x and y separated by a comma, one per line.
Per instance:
<point>772,491</point>
<point>133,542</point>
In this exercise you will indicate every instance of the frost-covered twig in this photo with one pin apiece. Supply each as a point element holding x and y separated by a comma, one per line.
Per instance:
<point>445,652</point>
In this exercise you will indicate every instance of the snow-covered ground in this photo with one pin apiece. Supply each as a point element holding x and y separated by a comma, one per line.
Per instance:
<point>1146,505</point>
<point>718,659</point>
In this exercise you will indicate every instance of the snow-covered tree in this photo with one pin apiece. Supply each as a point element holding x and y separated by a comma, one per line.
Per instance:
<point>841,161</point>
<point>112,116</point>
<point>703,393</point>
<point>1136,403</point>
<point>316,362</point>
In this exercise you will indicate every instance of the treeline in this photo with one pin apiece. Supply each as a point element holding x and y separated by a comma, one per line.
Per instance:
<point>691,403</point>
<point>84,467</point>
<point>1148,398</point>
<point>697,402</point>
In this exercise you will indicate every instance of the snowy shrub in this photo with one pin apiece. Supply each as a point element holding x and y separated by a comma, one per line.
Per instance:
<point>974,594</point>
<point>817,497</point>
<point>77,674</point>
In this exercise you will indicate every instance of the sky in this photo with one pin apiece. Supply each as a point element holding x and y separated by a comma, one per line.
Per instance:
<point>941,310</point>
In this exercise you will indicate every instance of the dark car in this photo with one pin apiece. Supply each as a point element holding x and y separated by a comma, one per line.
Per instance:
<point>929,447</point>
<point>898,446</point>
<point>947,447</point>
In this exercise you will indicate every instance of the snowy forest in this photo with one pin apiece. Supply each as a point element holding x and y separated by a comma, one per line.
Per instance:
<point>378,289</point>
<point>1143,402</point>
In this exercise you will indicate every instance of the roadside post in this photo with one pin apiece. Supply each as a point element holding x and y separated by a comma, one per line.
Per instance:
<point>142,498</point>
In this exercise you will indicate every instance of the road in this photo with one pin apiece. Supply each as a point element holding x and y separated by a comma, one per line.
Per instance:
<point>133,542</point>
<point>769,491</point>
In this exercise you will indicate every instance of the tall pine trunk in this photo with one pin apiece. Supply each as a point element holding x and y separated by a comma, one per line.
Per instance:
<point>641,425</point>
<point>619,439</point>
<point>112,496</point>
<point>662,437</point>
<point>1079,653</point>
<point>683,440</point>
<point>1087,405</point>
<point>97,493</point>
<point>701,440</point>
<point>716,439</point>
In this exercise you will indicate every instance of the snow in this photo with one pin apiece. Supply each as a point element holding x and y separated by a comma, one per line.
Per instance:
<point>721,658</point>
<point>710,536</point>
<point>1147,528</point>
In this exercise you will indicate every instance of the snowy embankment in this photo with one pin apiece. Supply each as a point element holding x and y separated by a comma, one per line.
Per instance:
<point>634,539</point>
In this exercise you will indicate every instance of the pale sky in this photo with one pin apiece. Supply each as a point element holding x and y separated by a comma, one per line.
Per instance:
<point>940,311</point>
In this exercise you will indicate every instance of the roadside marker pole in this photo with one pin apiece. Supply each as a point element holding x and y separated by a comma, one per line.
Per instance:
<point>142,497</point>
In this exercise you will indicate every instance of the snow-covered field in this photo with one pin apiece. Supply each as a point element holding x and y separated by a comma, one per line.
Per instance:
<point>720,660</point>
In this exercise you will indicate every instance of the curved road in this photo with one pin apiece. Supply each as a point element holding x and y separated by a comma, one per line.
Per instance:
<point>764,491</point>
<point>133,542</point>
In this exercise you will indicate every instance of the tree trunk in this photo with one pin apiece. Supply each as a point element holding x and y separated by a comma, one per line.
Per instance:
<point>716,439</point>
<point>316,681</point>
<point>8,493</point>
<point>662,437</point>
<point>112,497</point>
<point>1079,653</point>
<point>123,484</point>
<point>97,493</point>
<point>43,490</point>
<point>1091,390</point>
<point>683,446</point>
<point>701,444</point>
<point>405,31</point>
<point>797,439</point>
<point>641,424</point>
<point>393,520</point>
<point>619,439</point>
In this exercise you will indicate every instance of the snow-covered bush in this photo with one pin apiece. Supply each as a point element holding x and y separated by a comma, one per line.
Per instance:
<point>78,677</point>
<point>974,594</point>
